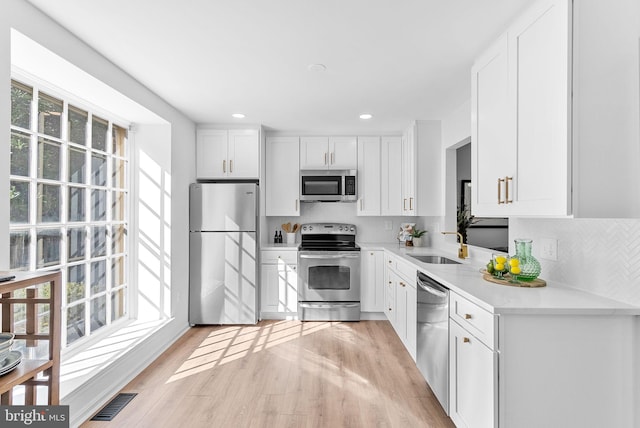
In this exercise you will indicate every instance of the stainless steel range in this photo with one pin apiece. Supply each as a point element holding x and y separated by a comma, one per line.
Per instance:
<point>328,273</point>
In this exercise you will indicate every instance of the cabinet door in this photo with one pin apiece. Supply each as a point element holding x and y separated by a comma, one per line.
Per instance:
<point>372,281</point>
<point>539,62</point>
<point>279,289</point>
<point>368,176</point>
<point>391,176</point>
<point>492,145</point>
<point>401,309</point>
<point>472,380</point>
<point>390,296</point>
<point>343,153</point>
<point>269,288</point>
<point>243,153</point>
<point>211,153</point>
<point>409,172</point>
<point>314,152</point>
<point>282,177</point>
<point>412,321</point>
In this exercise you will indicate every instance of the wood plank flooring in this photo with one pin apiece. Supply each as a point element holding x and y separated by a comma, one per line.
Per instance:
<point>283,374</point>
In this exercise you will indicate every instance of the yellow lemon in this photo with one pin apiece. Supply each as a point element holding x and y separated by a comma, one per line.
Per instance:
<point>515,270</point>
<point>501,259</point>
<point>499,267</point>
<point>514,262</point>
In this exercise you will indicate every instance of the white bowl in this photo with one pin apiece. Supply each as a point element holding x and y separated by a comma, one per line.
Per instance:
<point>6,340</point>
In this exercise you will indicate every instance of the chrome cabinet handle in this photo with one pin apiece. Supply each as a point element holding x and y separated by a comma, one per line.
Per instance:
<point>224,166</point>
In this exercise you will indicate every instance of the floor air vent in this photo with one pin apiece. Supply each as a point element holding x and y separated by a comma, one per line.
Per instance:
<point>110,411</point>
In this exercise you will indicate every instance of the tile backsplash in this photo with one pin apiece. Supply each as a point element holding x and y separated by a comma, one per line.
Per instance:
<point>601,256</point>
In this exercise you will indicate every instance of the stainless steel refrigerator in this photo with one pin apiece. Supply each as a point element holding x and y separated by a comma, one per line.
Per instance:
<point>223,268</point>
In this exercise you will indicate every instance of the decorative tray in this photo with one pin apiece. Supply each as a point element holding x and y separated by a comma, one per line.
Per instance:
<point>507,281</point>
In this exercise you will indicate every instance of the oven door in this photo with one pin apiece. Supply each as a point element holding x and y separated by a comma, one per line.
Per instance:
<point>329,276</point>
<point>321,187</point>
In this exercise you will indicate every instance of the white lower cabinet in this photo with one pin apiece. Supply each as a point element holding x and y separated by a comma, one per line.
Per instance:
<point>401,299</point>
<point>279,279</point>
<point>472,379</point>
<point>372,281</point>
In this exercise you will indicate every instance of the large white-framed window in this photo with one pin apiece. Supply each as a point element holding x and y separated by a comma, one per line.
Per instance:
<point>69,205</point>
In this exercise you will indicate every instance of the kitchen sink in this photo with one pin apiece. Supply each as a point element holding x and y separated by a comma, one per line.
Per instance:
<point>437,260</point>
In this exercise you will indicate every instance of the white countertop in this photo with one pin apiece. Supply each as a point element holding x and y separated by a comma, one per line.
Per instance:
<point>284,246</point>
<point>466,280</point>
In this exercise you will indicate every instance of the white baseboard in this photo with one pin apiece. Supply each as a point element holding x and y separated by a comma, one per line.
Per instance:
<point>88,398</point>
<point>376,316</point>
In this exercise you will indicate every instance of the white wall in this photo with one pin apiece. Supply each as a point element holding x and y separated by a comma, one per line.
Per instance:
<point>179,149</point>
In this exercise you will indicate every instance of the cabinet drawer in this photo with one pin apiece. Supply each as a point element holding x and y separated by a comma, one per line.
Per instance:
<point>273,256</point>
<point>407,272</point>
<point>473,318</point>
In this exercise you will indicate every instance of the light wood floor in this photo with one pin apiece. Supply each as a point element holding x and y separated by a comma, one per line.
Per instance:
<point>283,374</point>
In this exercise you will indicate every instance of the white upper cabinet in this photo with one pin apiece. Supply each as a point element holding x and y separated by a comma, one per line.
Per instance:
<point>391,176</point>
<point>282,177</point>
<point>550,135</point>
<point>328,153</point>
<point>421,175</point>
<point>492,149</point>
<point>233,154</point>
<point>368,176</point>
<point>520,117</point>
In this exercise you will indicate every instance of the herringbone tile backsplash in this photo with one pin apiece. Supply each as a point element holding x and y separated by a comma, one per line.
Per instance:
<point>601,256</point>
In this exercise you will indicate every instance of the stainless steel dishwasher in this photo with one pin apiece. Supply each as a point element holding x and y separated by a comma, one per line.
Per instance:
<point>433,336</point>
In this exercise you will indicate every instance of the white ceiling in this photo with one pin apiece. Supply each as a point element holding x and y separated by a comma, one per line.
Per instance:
<point>399,60</point>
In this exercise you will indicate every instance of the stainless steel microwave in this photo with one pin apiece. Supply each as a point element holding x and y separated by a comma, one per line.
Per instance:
<point>321,185</point>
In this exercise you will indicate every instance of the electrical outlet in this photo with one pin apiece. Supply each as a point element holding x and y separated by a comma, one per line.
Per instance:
<point>549,249</point>
<point>388,225</point>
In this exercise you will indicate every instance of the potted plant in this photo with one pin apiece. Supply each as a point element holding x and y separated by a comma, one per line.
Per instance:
<point>416,235</point>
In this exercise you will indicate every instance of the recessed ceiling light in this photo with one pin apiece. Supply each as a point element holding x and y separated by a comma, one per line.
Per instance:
<point>318,68</point>
<point>238,115</point>
<point>366,116</point>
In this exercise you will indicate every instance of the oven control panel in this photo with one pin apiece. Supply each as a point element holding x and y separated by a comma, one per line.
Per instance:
<point>328,229</point>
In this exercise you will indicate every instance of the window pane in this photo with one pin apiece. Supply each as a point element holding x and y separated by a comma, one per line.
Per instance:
<point>75,283</point>
<point>119,139</point>
<point>77,197</point>
<point>117,239</point>
<point>20,153</point>
<point>99,129</point>
<point>21,97</point>
<point>118,309</point>
<point>98,241</point>
<point>98,205</point>
<point>117,272</point>
<point>119,173</point>
<point>75,323</point>
<point>48,203</point>
<point>98,312</point>
<point>76,243</point>
<point>77,125</point>
<point>98,277</point>
<point>49,115</point>
<point>98,170</point>
<point>43,318</point>
<point>19,202</point>
<point>48,248</point>
<point>117,206</point>
<point>48,159</point>
<point>19,249</point>
<point>77,161</point>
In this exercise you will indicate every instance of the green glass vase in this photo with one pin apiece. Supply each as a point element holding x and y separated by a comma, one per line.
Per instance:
<point>529,266</point>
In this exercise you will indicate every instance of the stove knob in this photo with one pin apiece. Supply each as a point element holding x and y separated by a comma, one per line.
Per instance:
<point>304,228</point>
<point>340,228</point>
<point>310,227</point>
<point>353,229</point>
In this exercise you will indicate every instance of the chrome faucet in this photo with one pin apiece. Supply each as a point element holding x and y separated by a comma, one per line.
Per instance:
<point>463,251</point>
